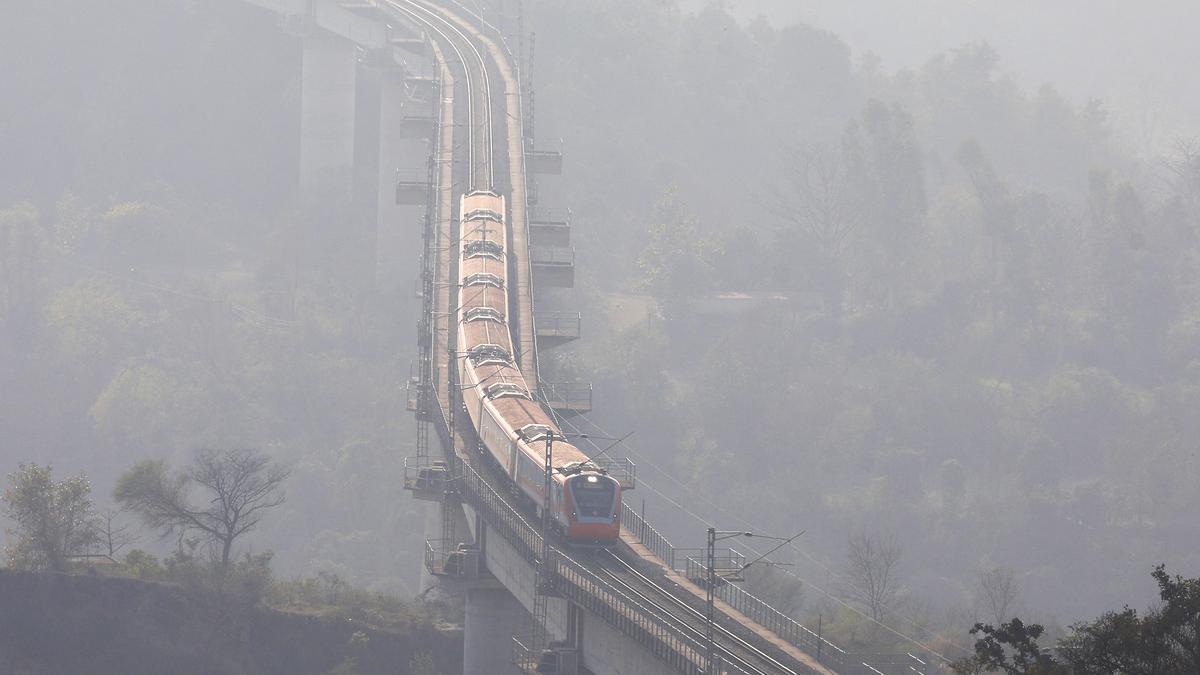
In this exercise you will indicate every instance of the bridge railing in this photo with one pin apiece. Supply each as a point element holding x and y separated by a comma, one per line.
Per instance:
<point>651,538</point>
<point>791,631</point>
<point>681,559</point>
<point>692,563</point>
<point>647,626</point>
<point>559,324</point>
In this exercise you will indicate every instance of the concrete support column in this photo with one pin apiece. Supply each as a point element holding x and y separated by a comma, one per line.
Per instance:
<point>493,614</point>
<point>364,230</point>
<point>327,111</point>
<point>399,234</point>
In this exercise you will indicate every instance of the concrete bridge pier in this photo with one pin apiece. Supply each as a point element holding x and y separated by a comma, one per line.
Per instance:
<point>492,615</point>
<point>399,233</point>
<point>328,96</point>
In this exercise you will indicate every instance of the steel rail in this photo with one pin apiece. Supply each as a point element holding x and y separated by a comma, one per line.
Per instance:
<point>474,93</point>
<point>696,633</point>
<point>486,101</point>
<point>443,26</point>
<point>741,642</point>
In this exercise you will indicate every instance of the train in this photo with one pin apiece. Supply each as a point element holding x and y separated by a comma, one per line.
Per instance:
<point>513,428</point>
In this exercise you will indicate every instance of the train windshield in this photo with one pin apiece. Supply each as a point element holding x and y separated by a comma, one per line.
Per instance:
<point>593,496</point>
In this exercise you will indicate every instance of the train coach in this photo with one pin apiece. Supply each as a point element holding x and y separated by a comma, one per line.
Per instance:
<point>584,500</point>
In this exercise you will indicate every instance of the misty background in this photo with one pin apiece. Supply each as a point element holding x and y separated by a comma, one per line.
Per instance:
<point>968,269</point>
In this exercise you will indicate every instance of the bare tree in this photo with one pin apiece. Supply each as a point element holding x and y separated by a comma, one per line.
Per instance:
<point>112,535</point>
<point>238,487</point>
<point>823,211</point>
<point>873,572</point>
<point>1183,178</point>
<point>786,592</point>
<point>996,592</point>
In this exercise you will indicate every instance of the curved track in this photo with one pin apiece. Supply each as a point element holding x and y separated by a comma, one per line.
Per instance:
<point>738,654</point>
<point>480,148</point>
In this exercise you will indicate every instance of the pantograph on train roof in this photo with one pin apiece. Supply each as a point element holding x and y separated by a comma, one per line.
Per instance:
<point>484,279</point>
<point>572,468</point>
<point>483,314</point>
<point>483,214</point>
<point>531,433</point>
<point>483,248</point>
<point>489,355</point>
<point>506,390</point>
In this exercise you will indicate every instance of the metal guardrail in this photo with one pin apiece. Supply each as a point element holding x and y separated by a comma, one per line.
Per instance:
<point>552,255</point>
<point>727,565</point>
<point>567,395</point>
<point>621,468</point>
<point>787,628</point>
<point>426,477</point>
<point>559,324</point>
<point>549,216</point>
<point>447,558</point>
<point>651,538</point>
<point>691,562</point>
<point>579,584</point>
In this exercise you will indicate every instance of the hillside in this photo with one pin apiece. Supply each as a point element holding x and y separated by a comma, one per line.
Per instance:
<point>51,623</point>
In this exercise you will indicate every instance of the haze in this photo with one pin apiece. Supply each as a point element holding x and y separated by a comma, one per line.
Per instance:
<point>948,297</point>
<point>1137,59</point>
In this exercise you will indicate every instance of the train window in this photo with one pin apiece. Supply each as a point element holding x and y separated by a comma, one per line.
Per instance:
<point>483,247</point>
<point>484,279</point>
<point>484,314</point>
<point>593,495</point>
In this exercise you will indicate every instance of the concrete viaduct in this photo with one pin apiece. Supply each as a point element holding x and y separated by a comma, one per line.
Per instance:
<point>390,92</point>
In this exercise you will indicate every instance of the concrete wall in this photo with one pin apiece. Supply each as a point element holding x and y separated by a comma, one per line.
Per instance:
<point>605,650</point>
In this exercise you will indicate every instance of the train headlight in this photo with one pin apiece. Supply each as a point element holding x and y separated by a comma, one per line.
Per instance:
<point>593,479</point>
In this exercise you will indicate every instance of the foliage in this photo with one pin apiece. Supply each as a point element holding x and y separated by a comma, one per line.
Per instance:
<point>1165,640</point>
<point>54,519</point>
<point>1013,366</point>
<point>1011,648</point>
<point>143,565</point>
<point>238,486</point>
<point>675,264</point>
<point>329,595</point>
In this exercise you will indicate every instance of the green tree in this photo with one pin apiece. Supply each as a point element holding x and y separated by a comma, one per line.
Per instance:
<point>823,212</point>
<point>22,268</point>
<point>1166,640</point>
<point>55,519</point>
<point>238,487</point>
<point>675,264</point>
<point>1012,648</point>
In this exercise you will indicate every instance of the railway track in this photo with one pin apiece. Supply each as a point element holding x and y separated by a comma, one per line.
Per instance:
<point>738,656</point>
<point>477,83</point>
<point>736,653</point>
<point>648,599</point>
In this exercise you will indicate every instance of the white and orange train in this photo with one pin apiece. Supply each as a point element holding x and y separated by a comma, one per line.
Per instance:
<point>584,500</point>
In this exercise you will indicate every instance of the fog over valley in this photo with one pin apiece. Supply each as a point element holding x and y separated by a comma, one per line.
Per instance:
<point>912,286</point>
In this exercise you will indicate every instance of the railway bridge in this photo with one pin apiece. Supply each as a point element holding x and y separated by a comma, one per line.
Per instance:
<point>441,87</point>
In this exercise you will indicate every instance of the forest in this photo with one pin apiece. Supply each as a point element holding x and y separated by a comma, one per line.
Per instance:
<point>924,311</point>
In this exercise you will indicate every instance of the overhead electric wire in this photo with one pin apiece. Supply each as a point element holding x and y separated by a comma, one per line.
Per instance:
<point>746,523</point>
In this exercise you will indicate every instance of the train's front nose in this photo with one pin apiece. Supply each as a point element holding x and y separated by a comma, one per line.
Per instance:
<point>596,499</point>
